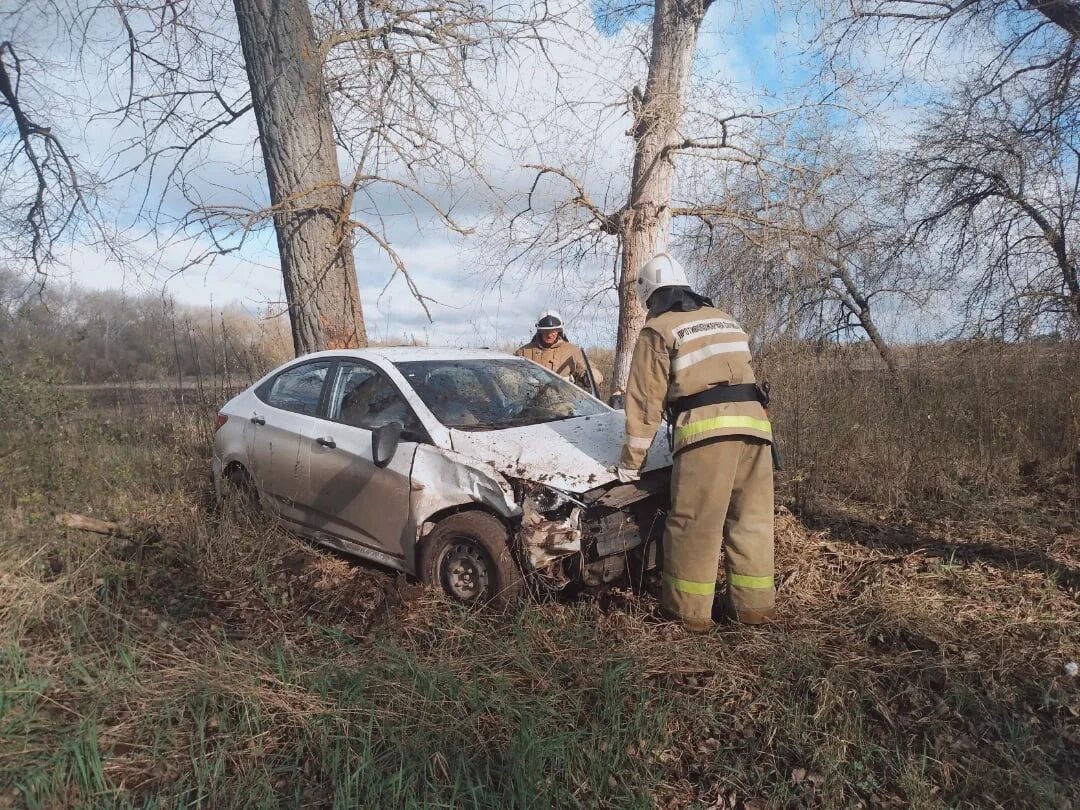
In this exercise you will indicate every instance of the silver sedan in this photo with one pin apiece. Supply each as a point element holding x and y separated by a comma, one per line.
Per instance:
<point>472,469</point>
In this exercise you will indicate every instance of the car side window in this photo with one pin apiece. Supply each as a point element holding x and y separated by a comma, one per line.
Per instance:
<point>299,389</point>
<point>365,398</point>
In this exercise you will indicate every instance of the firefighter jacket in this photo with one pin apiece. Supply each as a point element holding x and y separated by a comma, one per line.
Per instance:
<point>564,358</point>
<point>684,353</point>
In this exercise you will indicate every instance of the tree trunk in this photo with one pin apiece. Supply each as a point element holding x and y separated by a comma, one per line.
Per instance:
<point>1065,16</point>
<point>1072,281</point>
<point>643,224</point>
<point>883,348</point>
<point>860,306</point>
<point>296,133</point>
<point>1068,269</point>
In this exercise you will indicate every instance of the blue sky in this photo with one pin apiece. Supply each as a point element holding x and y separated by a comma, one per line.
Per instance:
<point>760,47</point>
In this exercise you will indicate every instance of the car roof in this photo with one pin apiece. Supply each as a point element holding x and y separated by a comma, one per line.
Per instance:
<point>402,354</point>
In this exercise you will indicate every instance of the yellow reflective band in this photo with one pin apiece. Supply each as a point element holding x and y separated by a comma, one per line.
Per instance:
<point>688,586</point>
<point>691,429</point>
<point>743,581</point>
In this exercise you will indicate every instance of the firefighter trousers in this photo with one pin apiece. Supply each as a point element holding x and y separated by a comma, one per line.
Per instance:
<point>721,499</point>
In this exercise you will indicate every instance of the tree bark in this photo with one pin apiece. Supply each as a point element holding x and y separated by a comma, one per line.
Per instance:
<point>1068,270</point>
<point>309,203</point>
<point>1072,282</point>
<point>855,301</point>
<point>1062,13</point>
<point>643,224</point>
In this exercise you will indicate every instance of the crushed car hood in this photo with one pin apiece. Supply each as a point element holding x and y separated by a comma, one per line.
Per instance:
<point>573,455</point>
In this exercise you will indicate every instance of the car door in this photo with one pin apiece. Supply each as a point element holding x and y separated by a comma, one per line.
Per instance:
<point>277,431</point>
<point>349,496</point>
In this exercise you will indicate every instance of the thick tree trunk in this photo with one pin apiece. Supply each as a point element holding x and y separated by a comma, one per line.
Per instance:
<point>1065,15</point>
<point>643,224</point>
<point>296,133</point>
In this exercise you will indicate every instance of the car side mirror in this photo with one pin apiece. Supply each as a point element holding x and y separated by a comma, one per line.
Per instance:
<point>384,442</point>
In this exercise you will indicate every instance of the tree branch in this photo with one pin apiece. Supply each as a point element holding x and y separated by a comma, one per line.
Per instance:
<point>55,161</point>
<point>609,223</point>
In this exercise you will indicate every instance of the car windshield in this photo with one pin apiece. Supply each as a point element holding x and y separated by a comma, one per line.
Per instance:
<point>494,394</point>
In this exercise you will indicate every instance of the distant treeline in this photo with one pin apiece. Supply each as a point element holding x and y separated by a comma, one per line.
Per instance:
<point>108,335</point>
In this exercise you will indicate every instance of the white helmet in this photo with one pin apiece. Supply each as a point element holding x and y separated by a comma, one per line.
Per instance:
<point>549,319</point>
<point>659,271</point>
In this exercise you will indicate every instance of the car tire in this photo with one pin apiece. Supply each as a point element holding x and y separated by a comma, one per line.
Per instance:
<point>468,556</point>
<point>239,491</point>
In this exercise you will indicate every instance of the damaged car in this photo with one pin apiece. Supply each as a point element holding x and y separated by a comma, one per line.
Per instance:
<point>479,471</point>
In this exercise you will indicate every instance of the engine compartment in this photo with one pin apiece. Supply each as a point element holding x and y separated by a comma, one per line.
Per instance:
<point>592,539</point>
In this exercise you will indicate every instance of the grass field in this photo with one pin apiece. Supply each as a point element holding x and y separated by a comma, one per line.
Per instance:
<point>209,659</point>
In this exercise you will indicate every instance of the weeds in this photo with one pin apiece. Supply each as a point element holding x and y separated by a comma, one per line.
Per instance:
<point>208,658</point>
<point>964,425</point>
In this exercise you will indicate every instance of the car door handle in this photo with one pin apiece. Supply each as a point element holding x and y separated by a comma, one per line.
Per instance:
<point>258,420</point>
<point>326,441</point>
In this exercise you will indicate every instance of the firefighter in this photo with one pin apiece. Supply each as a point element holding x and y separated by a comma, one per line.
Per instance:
<point>550,348</point>
<point>692,364</point>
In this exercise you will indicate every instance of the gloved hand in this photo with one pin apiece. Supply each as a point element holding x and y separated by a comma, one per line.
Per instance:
<point>627,476</point>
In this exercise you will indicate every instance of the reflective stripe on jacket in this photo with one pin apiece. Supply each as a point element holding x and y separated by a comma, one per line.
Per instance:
<point>684,353</point>
<point>564,358</point>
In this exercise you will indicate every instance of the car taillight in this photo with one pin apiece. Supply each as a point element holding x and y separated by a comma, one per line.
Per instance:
<point>220,420</point>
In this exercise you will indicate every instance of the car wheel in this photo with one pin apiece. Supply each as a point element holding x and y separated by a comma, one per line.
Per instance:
<point>468,556</point>
<point>240,491</point>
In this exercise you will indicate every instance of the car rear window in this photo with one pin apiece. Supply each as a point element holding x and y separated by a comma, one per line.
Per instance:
<point>298,389</point>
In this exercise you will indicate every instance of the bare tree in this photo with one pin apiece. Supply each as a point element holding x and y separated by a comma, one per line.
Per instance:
<point>808,249</point>
<point>991,180</point>
<point>385,88</point>
<point>400,79</point>
<point>1004,204</point>
<point>642,224</point>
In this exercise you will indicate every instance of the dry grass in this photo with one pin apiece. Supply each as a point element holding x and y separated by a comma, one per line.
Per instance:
<point>212,659</point>
<point>964,423</point>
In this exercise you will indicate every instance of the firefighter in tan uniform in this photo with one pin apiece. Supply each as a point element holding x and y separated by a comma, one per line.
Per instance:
<point>692,363</point>
<point>550,348</point>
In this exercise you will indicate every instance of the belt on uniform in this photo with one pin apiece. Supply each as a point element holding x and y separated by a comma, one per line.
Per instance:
<point>718,395</point>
